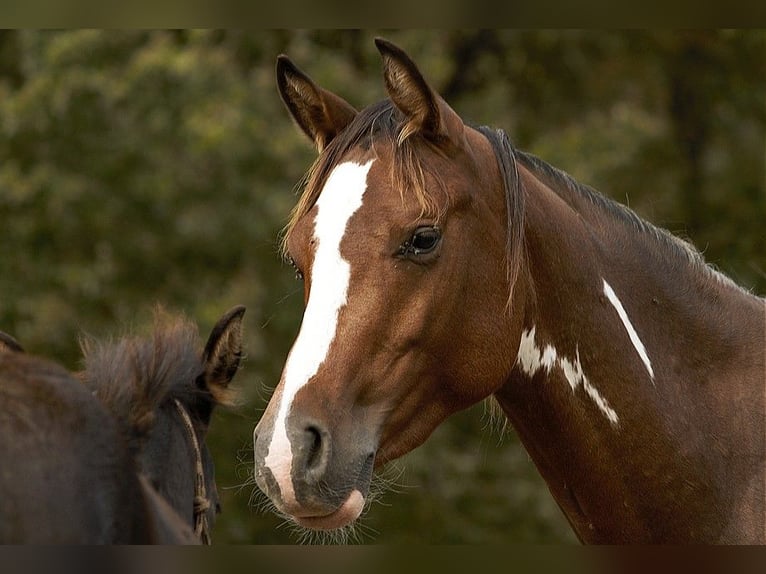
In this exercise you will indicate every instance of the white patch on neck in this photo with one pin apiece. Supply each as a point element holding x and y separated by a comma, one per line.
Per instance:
<point>531,359</point>
<point>341,197</point>
<point>634,338</point>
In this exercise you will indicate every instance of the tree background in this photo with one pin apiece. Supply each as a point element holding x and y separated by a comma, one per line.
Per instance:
<point>143,167</point>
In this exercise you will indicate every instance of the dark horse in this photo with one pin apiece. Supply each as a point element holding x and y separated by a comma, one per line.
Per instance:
<point>115,453</point>
<point>442,266</point>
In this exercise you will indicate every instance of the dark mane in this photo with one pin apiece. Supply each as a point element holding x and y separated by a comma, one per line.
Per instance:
<point>563,183</point>
<point>134,375</point>
<point>573,192</point>
<point>514,202</point>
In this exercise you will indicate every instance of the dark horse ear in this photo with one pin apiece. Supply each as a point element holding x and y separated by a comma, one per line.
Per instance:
<point>320,114</point>
<point>8,344</point>
<point>223,352</point>
<point>428,114</point>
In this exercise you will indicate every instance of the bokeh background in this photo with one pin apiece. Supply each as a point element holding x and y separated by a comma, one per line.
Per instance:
<point>143,167</point>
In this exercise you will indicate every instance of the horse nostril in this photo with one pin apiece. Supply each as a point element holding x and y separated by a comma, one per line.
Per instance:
<point>314,458</point>
<point>312,451</point>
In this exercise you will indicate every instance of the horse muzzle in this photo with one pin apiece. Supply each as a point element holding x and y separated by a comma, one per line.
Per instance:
<point>318,480</point>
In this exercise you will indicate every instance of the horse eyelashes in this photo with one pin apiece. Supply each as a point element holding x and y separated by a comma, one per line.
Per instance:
<point>298,272</point>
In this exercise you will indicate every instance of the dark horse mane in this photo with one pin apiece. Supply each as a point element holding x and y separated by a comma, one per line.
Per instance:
<point>134,375</point>
<point>573,192</point>
<point>383,123</point>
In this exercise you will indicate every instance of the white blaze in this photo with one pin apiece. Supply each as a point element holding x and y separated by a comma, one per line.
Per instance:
<point>634,338</point>
<point>340,198</point>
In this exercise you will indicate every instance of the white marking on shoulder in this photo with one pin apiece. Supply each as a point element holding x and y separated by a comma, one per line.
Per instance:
<point>340,198</point>
<point>634,338</point>
<point>531,359</point>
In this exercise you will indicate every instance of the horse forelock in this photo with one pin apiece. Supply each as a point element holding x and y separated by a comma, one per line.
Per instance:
<point>134,375</point>
<point>378,125</point>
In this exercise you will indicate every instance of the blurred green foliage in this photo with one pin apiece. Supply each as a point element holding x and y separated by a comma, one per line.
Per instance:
<point>139,167</point>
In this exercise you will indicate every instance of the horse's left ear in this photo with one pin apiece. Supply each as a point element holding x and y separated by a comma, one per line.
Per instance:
<point>428,114</point>
<point>223,352</point>
<point>8,344</point>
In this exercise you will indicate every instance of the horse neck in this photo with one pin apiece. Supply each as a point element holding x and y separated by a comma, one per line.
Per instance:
<point>631,362</point>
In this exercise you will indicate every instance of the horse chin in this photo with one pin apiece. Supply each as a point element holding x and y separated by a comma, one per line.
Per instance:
<point>394,449</point>
<point>346,514</point>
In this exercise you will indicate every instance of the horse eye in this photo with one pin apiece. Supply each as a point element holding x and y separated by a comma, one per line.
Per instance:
<point>422,242</point>
<point>425,240</point>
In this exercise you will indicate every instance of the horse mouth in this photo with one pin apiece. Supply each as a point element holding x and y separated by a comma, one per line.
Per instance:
<point>344,515</point>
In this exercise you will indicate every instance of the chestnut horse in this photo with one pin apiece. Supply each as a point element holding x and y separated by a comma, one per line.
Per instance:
<point>443,266</point>
<point>115,453</point>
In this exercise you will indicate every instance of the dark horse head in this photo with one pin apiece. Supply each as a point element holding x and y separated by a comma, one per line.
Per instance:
<point>163,389</point>
<point>442,266</point>
<point>121,458</point>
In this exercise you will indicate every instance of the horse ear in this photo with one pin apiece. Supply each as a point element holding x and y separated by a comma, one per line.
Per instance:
<point>8,344</point>
<point>428,114</point>
<point>320,114</point>
<point>223,352</point>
